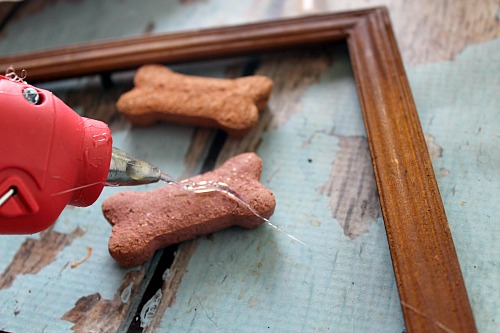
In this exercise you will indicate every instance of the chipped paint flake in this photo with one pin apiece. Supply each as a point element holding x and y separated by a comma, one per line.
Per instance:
<point>435,151</point>
<point>88,313</point>
<point>35,254</point>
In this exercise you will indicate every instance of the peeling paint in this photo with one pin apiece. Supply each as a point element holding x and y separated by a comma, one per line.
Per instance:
<point>176,272</point>
<point>35,254</point>
<point>92,313</point>
<point>352,189</point>
<point>291,76</point>
<point>172,277</point>
<point>435,151</point>
<point>444,172</point>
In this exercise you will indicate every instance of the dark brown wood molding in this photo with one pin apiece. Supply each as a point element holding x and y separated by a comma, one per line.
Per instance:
<point>108,56</point>
<point>430,283</point>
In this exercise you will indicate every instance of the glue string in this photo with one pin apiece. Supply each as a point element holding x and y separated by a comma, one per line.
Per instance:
<point>217,186</point>
<point>221,187</point>
<point>206,187</point>
<point>211,186</point>
<point>76,188</point>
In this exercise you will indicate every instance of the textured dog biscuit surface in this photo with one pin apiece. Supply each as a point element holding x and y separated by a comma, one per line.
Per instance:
<point>163,95</point>
<point>144,222</point>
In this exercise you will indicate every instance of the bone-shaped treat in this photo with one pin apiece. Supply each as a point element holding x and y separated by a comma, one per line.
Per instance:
<point>144,222</point>
<point>163,95</point>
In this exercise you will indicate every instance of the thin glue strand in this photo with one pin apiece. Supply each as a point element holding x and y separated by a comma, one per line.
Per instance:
<point>215,186</point>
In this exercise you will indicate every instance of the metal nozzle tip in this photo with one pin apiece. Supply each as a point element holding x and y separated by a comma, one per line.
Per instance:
<point>126,170</point>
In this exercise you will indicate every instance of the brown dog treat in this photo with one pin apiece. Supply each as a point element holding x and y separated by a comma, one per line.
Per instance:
<point>144,222</point>
<point>162,95</point>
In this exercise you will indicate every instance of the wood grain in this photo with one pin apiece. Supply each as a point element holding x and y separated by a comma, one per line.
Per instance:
<point>428,275</point>
<point>428,30</point>
<point>172,282</point>
<point>89,311</point>
<point>353,193</point>
<point>431,287</point>
<point>182,47</point>
<point>36,254</point>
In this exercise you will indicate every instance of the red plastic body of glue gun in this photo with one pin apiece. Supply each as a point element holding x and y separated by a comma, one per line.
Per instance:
<point>49,157</point>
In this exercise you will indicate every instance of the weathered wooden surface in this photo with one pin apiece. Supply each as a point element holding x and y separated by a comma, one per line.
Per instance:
<point>297,150</point>
<point>430,31</point>
<point>426,31</point>
<point>263,280</point>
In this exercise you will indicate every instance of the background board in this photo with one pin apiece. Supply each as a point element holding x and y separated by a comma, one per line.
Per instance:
<point>316,161</point>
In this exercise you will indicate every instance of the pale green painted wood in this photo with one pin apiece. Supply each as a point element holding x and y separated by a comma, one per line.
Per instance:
<point>72,22</point>
<point>249,281</point>
<point>273,281</point>
<point>254,281</point>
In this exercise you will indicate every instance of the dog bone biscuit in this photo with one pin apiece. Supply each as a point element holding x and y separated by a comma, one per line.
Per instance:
<point>144,222</point>
<point>163,95</point>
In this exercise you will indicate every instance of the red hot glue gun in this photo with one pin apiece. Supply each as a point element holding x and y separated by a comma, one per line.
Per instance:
<point>51,157</point>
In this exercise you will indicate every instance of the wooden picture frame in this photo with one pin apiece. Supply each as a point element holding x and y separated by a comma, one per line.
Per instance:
<point>431,287</point>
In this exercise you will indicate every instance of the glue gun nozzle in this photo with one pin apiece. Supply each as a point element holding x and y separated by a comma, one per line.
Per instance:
<point>126,170</point>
